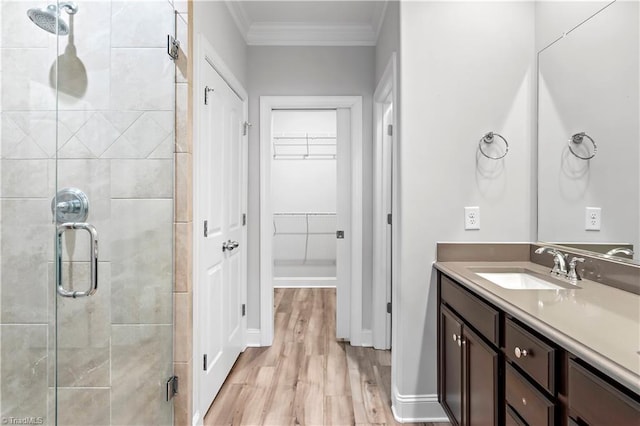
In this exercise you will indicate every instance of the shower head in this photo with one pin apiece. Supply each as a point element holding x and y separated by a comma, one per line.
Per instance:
<point>48,18</point>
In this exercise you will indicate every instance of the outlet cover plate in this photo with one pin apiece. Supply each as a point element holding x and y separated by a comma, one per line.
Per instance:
<point>593,218</point>
<point>472,218</point>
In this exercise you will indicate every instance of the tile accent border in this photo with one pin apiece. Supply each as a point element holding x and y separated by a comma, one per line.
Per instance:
<point>183,221</point>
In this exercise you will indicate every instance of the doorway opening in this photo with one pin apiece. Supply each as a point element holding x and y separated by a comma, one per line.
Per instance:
<point>304,197</point>
<point>311,204</point>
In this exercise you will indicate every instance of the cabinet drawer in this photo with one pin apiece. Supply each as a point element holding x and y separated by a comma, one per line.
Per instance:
<point>478,314</point>
<point>531,405</point>
<point>531,354</point>
<point>596,402</point>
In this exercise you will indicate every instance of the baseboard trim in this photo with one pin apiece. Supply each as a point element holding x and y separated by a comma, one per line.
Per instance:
<point>304,283</point>
<point>254,338</point>
<point>366,338</point>
<point>417,408</point>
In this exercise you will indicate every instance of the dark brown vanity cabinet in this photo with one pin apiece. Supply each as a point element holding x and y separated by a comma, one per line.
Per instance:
<point>594,400</point>
<point>495,370</point>
<point>469,364</point>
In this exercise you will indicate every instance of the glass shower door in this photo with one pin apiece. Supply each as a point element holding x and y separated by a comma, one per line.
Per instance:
<point>115,143</point>
<point>86,212</point>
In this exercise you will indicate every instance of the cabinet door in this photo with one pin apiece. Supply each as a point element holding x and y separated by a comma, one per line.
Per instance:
<point>451,365</point>
<point>482,389</point>
<point>594,401</point>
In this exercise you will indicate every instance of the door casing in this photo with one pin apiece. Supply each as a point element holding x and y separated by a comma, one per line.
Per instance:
<point>383,170</point>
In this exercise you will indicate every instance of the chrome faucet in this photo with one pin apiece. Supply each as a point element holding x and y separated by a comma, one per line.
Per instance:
<point>559,260</point>
<point>620,250</point>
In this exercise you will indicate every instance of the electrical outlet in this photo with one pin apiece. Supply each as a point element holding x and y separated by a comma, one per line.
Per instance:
<point>472,218</point>
<point>593,218</point>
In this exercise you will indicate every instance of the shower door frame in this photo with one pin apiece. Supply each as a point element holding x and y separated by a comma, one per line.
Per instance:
<point>350,327</point>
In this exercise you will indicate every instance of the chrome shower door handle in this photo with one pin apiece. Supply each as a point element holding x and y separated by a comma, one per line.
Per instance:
<point>93,281</point>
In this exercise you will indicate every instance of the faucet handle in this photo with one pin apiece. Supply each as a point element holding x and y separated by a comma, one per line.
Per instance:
<point>575,260</point>
<point>573,274</point>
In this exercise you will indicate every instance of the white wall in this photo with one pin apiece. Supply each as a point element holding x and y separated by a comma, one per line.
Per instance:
<point>212,18</point>
<point>388,38</point>
<point>467,68</point>
<point>314,71</point>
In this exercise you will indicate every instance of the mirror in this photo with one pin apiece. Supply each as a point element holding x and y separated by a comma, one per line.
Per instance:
<point>589,135</point>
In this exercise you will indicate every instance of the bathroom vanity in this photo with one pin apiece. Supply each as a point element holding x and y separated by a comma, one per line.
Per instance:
<point>566,354</point>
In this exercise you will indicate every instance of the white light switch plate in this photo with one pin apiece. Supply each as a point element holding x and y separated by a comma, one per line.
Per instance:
<point>593,218</point>
<point>472,218</point>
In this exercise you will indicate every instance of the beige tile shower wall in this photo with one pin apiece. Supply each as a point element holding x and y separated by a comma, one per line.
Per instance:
<point>183,245</point>
<point>115,140</point>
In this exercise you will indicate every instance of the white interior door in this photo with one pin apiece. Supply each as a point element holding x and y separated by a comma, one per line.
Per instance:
<point>219,232</point>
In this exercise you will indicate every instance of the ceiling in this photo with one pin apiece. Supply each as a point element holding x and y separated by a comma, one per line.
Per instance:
<point>308,22</point>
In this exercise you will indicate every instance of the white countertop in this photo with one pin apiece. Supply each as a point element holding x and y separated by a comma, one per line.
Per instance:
<point>595,322</point>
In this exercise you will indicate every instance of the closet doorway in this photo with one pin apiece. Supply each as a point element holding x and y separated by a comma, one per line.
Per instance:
<point>304,197</point>
<point>311,203</point>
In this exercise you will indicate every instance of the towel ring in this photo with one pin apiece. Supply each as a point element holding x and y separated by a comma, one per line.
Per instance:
<point>488,138</point>
<point>577,139</point>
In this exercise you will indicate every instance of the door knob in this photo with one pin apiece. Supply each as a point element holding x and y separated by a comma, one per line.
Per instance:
<point>229,245</point>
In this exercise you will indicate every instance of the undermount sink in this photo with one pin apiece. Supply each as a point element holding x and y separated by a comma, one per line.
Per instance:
<point>521,279</point>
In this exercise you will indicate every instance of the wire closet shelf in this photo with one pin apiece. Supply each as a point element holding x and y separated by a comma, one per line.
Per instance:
<point>306,217</point>
<point>304,146</point>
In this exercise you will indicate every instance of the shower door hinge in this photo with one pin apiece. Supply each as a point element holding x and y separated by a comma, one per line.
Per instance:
<point>388,307</point>
<point>173,47</point>
<point>244,219</point>
<point>206,228</point>
<point>204,362</point>
<point>389,219</point>
<point>172,387</point>
<point>244,309</point>
<point>390,130</point>
<point>246,126</point>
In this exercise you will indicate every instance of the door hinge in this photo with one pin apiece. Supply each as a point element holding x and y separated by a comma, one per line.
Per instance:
<point>389,219</point>
<point>388,307</point>
<point>172,387</point>
<point>340,235</point>
<point>207,90</point>
<point>244,309</point>
<point>390,130</point>
<point>206,228</point>
<point>246,126</point>
<point>204,363</point>
<point>244,219</point>
<point>173,47</point>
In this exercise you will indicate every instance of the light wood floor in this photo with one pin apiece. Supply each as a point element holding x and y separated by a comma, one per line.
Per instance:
<point>307,377</point>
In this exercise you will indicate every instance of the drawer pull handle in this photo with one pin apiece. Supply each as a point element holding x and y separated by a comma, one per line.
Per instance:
<point>521,353</point>
<point>524,401</point>
<point>458,339</point>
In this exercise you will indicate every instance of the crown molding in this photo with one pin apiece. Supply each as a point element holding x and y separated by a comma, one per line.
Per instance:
<point>310,34</point>
<point>240,17</point>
